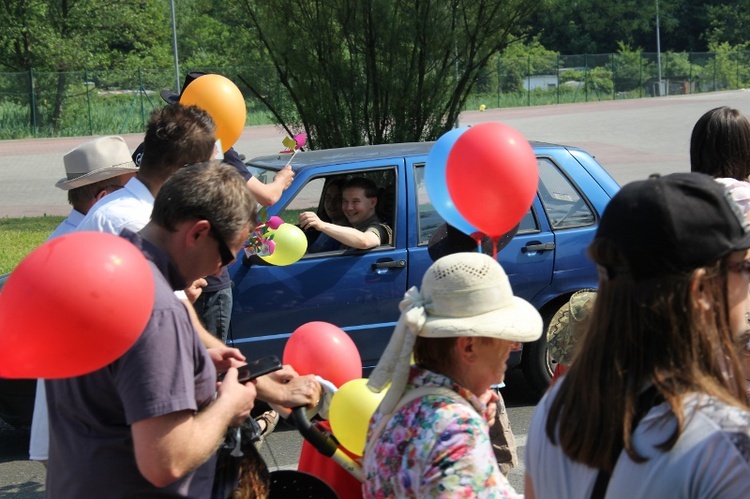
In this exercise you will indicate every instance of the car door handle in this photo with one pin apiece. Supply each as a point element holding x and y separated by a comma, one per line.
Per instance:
<point>391,264</point>
<point>538,247</point>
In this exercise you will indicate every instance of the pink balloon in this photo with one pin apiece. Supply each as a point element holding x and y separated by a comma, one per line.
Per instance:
<point>492,177</point>
<point>274,222</point>
<point>300,139</point>
<point>323,349</point>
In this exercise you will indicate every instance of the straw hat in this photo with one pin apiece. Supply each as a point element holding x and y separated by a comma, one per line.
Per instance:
<point>463,294</point>
<point>96,160</point>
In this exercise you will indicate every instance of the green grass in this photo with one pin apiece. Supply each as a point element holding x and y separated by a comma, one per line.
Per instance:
<point>19,236</point>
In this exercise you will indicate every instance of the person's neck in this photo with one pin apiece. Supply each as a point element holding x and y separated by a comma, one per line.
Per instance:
<point>463,377</point>
<point>157,236</point>
<point>152,184</point>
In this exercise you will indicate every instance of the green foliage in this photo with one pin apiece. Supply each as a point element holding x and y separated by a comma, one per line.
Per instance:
<point>729,68</point>
<point>629,67</point>
<point>519,60</point>
<point>19,236</point>
<point>728,23</point>
<point>382,71</point>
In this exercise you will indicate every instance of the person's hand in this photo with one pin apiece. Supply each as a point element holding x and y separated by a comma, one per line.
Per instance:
<point>489,399</point>
<point>284,375</point>
<point>239,398</point>
<point>285,177</point>
<point>303,391</point>
<point>285,388</point>
<point>225,357</point>
<point>310,219</point>
<point>195,289</point>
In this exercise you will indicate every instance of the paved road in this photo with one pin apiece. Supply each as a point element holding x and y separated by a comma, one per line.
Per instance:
<point>23,479</point>
<point>630,138</point>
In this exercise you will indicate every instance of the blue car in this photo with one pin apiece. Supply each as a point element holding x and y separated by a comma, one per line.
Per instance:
<point>359,290</point>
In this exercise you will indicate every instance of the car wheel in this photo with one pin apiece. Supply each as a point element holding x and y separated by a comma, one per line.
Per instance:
<point>537,365</point>
<point>536,362</point>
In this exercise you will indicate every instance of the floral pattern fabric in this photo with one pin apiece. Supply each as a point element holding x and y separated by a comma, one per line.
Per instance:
<point>434,446</point>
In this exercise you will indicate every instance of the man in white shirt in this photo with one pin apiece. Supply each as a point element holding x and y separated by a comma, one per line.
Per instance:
<point>93,170</point>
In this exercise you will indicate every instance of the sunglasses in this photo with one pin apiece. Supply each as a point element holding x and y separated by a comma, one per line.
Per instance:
<point>226,254</point>
<point>741,267</point>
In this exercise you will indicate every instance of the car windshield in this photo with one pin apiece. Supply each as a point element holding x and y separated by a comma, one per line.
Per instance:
<point>265,175</point>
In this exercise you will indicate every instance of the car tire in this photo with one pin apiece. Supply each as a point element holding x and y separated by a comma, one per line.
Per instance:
<point>537,365</point>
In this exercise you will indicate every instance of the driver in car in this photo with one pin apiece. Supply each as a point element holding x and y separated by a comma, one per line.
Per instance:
<point>359,199</point>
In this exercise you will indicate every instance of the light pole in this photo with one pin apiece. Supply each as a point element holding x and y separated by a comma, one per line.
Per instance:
<point>658,46</point>
<point>174,47</point>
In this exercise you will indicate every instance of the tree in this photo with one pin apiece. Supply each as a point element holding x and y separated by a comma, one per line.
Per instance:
<point>378,71</point>
<point>70,35</point>
<point>521,60</point>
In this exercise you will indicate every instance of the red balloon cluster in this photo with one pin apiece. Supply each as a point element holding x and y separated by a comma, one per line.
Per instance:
<point>73,305</point>
<point>492,177</point>
<point>323,349</point>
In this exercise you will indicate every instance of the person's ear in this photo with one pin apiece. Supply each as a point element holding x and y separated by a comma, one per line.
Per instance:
<point>466,347</point>
<point>101,194</point>
<point>197,229</point>
<point>698,291</point>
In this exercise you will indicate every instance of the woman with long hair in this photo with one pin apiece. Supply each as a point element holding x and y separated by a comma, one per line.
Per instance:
<point>654,405</point>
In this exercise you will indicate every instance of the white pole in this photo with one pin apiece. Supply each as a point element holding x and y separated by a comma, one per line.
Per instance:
<point>174,46</point>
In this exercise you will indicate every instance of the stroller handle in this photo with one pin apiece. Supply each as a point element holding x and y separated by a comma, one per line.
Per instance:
<point>324,443</point>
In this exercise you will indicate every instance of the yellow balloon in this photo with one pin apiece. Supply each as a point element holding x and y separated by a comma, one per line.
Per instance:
<point>221,99</point>
<point>352,406</point>
<point>290,242</point>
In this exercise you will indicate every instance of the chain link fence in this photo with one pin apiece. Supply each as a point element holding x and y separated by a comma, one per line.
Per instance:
<point>80,103</point>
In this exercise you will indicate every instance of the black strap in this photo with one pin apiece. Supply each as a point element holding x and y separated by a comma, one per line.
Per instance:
<point>646,401</point>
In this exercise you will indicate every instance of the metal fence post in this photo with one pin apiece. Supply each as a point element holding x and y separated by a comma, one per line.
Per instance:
<point>32,103</point>
<point>557,62</point>
<point>640,75</point>
<point>586,76</point>
<point>88,99</point>
<point>528,81</point>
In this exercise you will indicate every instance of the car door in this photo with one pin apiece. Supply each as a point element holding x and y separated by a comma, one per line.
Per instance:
<point>528,259</point>
<point>358,291</point>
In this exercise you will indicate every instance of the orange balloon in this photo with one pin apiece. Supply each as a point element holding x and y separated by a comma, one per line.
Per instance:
<point>73,305</point>
<point>221,99</point>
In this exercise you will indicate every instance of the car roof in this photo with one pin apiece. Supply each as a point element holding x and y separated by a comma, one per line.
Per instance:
<point>342,155</point>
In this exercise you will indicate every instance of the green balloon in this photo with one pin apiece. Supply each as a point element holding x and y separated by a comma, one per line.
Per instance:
<point>291,244</point>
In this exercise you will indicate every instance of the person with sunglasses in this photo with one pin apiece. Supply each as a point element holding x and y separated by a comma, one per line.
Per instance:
<point>654,404</point>
<point>151,421</point>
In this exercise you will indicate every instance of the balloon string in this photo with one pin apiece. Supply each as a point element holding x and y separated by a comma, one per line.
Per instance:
<point>495,242</point>
<point>477,237</point>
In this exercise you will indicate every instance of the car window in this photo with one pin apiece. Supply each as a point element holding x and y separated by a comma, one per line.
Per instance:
<point>311,197</point>
<point>308,199</point>
<point>429,220</point>
<point>565,206</point>
<point>263,175</point>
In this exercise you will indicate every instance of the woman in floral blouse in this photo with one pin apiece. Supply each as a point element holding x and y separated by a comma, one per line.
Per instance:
<point>429,437</point>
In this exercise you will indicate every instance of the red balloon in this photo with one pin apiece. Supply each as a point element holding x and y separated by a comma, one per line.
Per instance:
<point>323,349</point>
<point>492,177</point>
<point>73,305</point>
